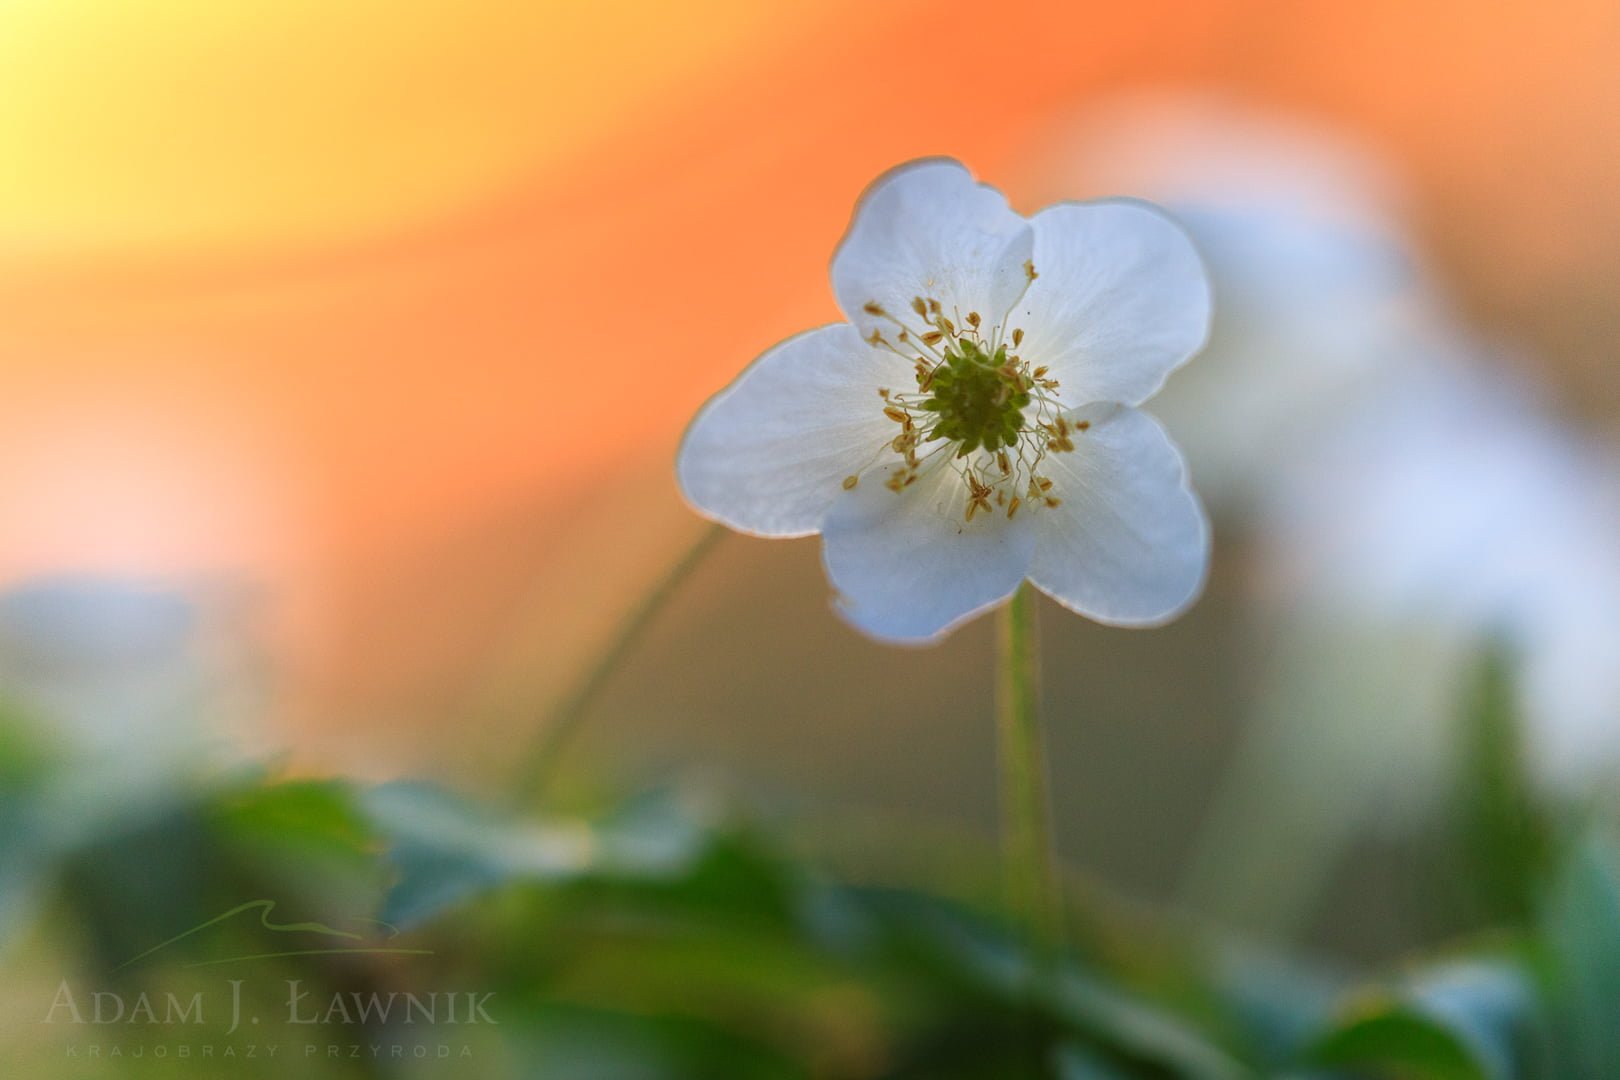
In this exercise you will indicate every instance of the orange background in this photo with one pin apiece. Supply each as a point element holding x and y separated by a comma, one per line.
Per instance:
<point>391,314</point>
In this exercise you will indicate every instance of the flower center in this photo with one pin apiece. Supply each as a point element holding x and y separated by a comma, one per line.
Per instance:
<point>978,409</point>
<point>978,398</point>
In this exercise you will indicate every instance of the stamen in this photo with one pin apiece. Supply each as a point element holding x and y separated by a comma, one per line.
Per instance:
<point>994,416</point>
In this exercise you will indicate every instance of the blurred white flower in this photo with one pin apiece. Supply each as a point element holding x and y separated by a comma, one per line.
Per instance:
<point>100,659</point>
<point>1410,506</point>
<point>974,422</point>
<point>1456,510</point>
<point>128,691</point>
<point>1451,517</point>
<point>128,675</point>
<point>1315,298</point>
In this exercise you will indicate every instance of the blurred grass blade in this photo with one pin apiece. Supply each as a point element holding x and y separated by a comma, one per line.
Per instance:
<point>1503,839</point>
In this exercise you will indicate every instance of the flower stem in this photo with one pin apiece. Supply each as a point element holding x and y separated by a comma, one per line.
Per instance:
<point>560,727</point>
<point>1032,883</point>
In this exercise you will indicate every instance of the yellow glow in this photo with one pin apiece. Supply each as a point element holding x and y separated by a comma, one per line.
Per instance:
<point>196,125</point>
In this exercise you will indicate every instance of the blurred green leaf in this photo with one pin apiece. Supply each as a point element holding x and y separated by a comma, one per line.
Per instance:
<point>26,766</point>
<point>447,849</point>
<point>1466,1020</point>
<point>307,814</point>
<point>1276,1005</point>
<point>1074,1062</point>
<point>1580,929</point>
<point>588,1044</point>
<point>990,967</point>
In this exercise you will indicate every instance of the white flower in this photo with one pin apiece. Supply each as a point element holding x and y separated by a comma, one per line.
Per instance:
<point>974,423</point>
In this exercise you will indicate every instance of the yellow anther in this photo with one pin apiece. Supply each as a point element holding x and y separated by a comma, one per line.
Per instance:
<point>850,482</point>
<point>872,307</point>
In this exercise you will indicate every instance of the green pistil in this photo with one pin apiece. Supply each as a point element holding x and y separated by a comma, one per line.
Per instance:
<point>978,398</point>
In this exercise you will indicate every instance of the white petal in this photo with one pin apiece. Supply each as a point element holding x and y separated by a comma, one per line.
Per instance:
<point>909,567</point>
<point>1121,301</point>
<point>1129,544</point>
<point>769,453</point>
<point>927,230</point>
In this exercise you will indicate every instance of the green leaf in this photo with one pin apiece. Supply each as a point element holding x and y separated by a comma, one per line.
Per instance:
<point>1581,933</point>
<point>1276,1005</point>
<point>981,962</point>
<point>584,1044</point>
<point>447,850</point>
<point>1467,1020</point>
<point>1074,1062</point>
<point>25,769</point>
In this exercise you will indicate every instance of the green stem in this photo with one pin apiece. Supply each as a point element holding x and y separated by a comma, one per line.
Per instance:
<point>1025,803</point>
<point>559,729</point>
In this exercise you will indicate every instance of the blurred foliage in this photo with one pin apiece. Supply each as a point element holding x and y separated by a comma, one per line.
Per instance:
<point>671,935</point>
